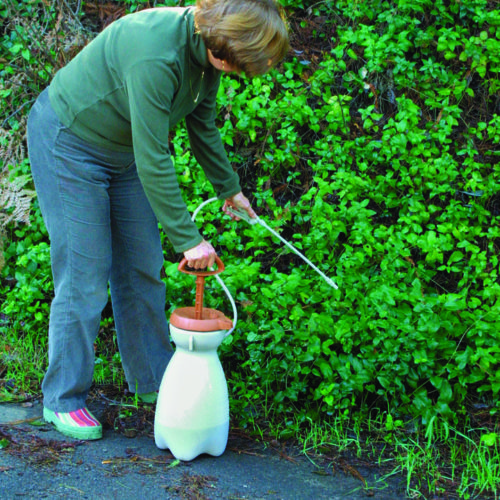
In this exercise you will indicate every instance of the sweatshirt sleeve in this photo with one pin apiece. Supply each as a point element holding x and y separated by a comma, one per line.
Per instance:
<point>150,106</point>
<point>206,144</point>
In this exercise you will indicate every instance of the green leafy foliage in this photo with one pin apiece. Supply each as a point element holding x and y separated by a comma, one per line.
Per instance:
<point>385,175</point>
<point>374,148</point>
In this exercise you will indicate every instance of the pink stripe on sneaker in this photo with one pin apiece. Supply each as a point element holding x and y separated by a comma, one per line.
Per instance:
<point>82,418</point>
<point>91,417</point>
<point>78,419</point>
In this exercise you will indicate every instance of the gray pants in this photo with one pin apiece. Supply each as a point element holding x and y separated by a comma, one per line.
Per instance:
<point>101,229</point>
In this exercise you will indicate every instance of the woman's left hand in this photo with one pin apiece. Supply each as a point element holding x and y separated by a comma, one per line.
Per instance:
<point>240,201</point>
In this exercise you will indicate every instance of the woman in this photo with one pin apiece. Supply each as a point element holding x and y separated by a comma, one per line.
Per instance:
<point>98,143</point>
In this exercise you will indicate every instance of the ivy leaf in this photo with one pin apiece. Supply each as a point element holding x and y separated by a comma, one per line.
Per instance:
<point>326,369</point>
<point>456,256</point>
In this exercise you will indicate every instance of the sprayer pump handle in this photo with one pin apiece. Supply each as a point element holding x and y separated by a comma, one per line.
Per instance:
<point>183,268</point>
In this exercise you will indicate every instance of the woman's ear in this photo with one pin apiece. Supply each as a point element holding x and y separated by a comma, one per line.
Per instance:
<point>220,64</point>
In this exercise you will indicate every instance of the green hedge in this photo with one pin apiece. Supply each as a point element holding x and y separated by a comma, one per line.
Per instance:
<point>382,163</point>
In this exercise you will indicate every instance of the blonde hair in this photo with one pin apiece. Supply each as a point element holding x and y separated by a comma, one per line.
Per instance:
<point>251,35</point>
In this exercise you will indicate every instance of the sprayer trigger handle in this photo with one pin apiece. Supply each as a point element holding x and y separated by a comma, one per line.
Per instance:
<point>243,214</point>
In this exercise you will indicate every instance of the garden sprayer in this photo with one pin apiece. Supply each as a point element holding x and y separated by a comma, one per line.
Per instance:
<point>192,411</point>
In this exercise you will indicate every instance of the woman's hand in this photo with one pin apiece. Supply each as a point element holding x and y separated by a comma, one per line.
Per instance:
<point>200,256</point>
<point>241,202</point>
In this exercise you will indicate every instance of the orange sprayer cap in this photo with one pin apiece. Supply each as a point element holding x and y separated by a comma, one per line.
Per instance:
<point>199,318</point>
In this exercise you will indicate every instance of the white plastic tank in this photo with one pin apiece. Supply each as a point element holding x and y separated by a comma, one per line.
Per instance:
<point>192,412</point>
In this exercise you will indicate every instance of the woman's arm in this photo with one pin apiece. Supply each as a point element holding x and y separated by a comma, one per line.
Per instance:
<point>150,104</point>
<point>207,147</point>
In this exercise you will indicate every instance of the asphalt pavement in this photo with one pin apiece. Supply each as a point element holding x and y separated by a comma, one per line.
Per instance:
<point>37,462</point>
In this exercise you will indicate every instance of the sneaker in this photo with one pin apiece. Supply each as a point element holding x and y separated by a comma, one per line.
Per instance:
<point>79,424</point>
<point>148,397</point>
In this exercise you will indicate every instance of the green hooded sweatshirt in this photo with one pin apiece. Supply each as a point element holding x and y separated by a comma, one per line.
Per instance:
<point>126,90</point>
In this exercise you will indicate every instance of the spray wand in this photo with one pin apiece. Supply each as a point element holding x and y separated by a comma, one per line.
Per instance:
<point>242,214</point>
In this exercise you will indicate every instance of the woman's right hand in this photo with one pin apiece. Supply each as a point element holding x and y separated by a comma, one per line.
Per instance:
<point>201,256</point>
<point>240,201</point>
